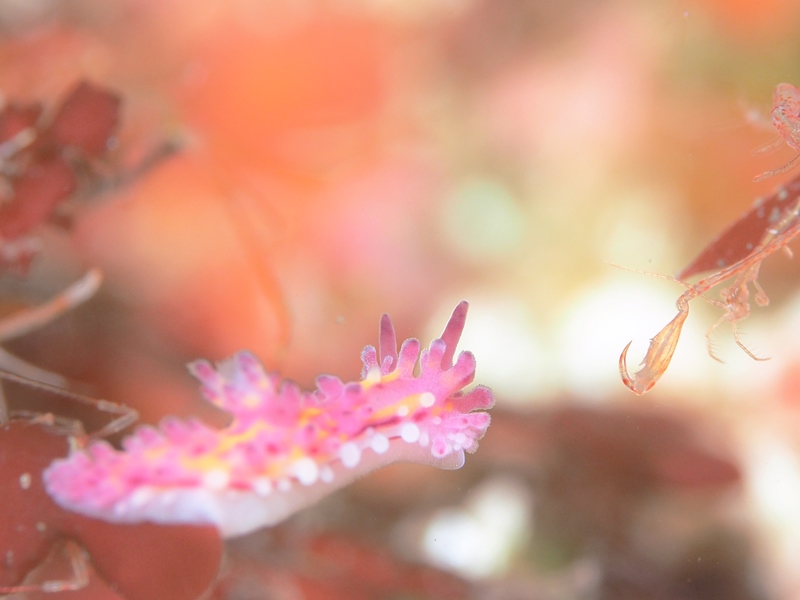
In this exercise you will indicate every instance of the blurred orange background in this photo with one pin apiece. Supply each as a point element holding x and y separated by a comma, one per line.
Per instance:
<point>340,160</point>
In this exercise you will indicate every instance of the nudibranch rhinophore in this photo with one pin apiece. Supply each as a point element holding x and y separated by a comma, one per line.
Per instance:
<point>284,448</point>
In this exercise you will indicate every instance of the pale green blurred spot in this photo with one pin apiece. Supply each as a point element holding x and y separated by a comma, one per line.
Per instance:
<point>483,222</point>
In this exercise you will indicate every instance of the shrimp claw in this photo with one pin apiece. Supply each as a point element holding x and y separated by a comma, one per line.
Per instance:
<point>659,354</point>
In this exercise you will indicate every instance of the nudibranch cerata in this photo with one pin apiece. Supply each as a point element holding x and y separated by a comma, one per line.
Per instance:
<point>284,448</point>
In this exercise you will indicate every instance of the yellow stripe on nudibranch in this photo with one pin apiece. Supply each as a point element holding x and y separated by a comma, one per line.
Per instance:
<point>373,377</point>
<point>253,400</point>
<point>408,405</point>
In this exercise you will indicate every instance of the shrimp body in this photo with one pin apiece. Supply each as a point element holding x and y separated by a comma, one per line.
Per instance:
<point>786,114</point>
<point>786,120</point>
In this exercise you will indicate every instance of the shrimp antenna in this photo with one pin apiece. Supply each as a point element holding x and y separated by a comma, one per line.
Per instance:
<point>650,273</point>
<point>127,415</point>
<point>29,319</point>
<point>688,286</point>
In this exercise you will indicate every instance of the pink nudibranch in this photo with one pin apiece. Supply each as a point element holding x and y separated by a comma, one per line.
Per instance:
<point>284,448</point>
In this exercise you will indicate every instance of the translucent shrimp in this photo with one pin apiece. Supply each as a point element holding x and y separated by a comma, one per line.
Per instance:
<point>735,302</point>
<point>786,120</point>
